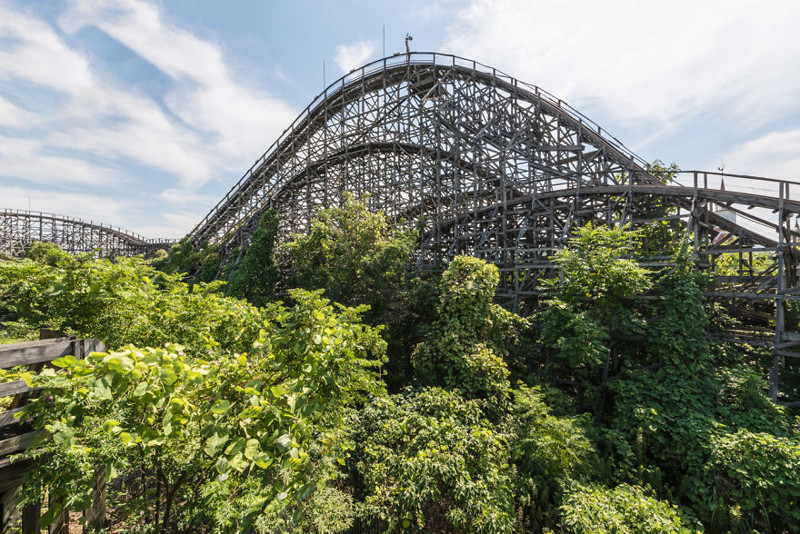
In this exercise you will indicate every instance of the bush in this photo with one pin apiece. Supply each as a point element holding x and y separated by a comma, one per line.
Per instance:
<point>548,452</point>
<point>174,426</point>
<point>427,459</point>
<point>459,352</point>
<point>753,480</point>
<point>126,301</point>
<point>622,510</point>
<point>257,274</point>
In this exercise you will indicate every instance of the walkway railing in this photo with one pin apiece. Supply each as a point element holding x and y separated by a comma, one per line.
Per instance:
<point>17,435</point>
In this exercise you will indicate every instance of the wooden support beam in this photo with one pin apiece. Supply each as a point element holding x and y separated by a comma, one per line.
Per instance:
<point>30,518</point>
<point>96,516</point>
<point>46,350</point>
<point>7,418</point>
<point>8,510</point>
<point>18,443</point>
<point>15,387</point>
<point>60,524</point>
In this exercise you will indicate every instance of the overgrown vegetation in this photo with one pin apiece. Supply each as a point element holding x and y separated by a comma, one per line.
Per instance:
<point>370,399</point>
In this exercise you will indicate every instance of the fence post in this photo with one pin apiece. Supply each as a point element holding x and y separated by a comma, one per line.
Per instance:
<point>8,510</point>
<point>96,515</point>
<point>60,524</point>
<point>30,518</point>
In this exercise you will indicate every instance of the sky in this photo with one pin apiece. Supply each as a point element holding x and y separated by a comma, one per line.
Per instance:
<point>143,114</point>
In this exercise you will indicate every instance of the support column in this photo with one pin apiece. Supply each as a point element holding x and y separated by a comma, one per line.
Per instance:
<point>780,305</point>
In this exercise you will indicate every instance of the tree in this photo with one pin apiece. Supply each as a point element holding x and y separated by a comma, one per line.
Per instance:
<point>358,259</point>
<point>428,459</point>
<point>257,274</point>
<point>176,427</point>
<point>354,256</point>
<point>459,352</point>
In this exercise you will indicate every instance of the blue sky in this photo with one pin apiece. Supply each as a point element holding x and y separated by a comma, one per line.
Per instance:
<point>142,114</point>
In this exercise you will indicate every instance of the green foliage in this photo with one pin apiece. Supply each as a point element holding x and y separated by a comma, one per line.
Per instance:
<point>622,510</point>
<point>257,273</point>
<point>575,336</point>
<point>195,264</point>
<point>594,266</point>
<point>357,258</point>
<point>125,301</point>
<point>731,263</point>
<point>276,419</point>
<point>597,274</point>
<point>661,422</point>
<point>548,453</point>
<point>428,460</point>
<point>354,255</point>
<point>666,173</point>
<point>459,352</point>
<point>48,254</point>
<point>180,426</point>
<point>753,480</point>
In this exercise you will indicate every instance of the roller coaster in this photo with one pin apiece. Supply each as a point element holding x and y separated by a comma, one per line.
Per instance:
<point>487,165</point>
<point>20,228</point>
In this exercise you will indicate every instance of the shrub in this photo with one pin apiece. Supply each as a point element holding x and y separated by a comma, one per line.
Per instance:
<point>753,480</point>
<point>621,510</point>
<point>458,352</point>
<point>427,459</point>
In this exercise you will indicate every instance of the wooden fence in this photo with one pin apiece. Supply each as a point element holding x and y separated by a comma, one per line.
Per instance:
<point>16,435</point>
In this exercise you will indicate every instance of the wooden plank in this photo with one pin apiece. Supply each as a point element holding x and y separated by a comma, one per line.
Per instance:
<point>96,515</point>
<point>13,388</point>
<point>60,524</point>
<point>34,352</point>
<point>48,333</point>
<point>46,350</point>
<point>7,417</point>
<point>9,510</point>
<point>18,443</point>
<point>30,518</point>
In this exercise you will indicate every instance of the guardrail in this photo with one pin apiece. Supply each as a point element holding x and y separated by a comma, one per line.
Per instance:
<point>17,435</point>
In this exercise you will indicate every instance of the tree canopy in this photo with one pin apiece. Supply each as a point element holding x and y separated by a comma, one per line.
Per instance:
<point>344,393</point>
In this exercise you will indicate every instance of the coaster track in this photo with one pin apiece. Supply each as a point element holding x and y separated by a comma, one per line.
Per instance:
<point>489,166</point>
<point>20,228</point>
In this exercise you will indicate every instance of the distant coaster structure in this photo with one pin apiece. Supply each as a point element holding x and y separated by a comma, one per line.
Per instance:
<point>489,166</point>
<point>20,228</point>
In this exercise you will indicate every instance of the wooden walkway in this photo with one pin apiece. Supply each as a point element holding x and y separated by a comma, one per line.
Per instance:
<point>16,435</point>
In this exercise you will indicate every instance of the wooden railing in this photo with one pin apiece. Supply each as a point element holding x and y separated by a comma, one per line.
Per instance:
<point>17,435</point>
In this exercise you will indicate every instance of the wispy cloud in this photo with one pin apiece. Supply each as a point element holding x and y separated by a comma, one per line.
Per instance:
<point>351,56</point>
<point>13,116</point>
<point>90,127</point>
<point>658,63</point>
<point>26,159</point>
<point>775,154</point>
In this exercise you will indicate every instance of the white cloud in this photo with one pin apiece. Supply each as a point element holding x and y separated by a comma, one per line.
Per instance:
<point>35,53</point>
<point>82,126</point>
<point>98,208</point>
<point>349,57</point>
<point>240,121</point>
<point>25,159</point>
<point>657,63</point>
<point>173,226</point>
<point>184,196</point>
<point>776,155</point>
<point>13,116</point>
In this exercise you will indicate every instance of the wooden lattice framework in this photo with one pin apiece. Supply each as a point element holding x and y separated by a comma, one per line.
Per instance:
<point>20,228</point>
<point>497,168</point>
<point>493,167</point>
